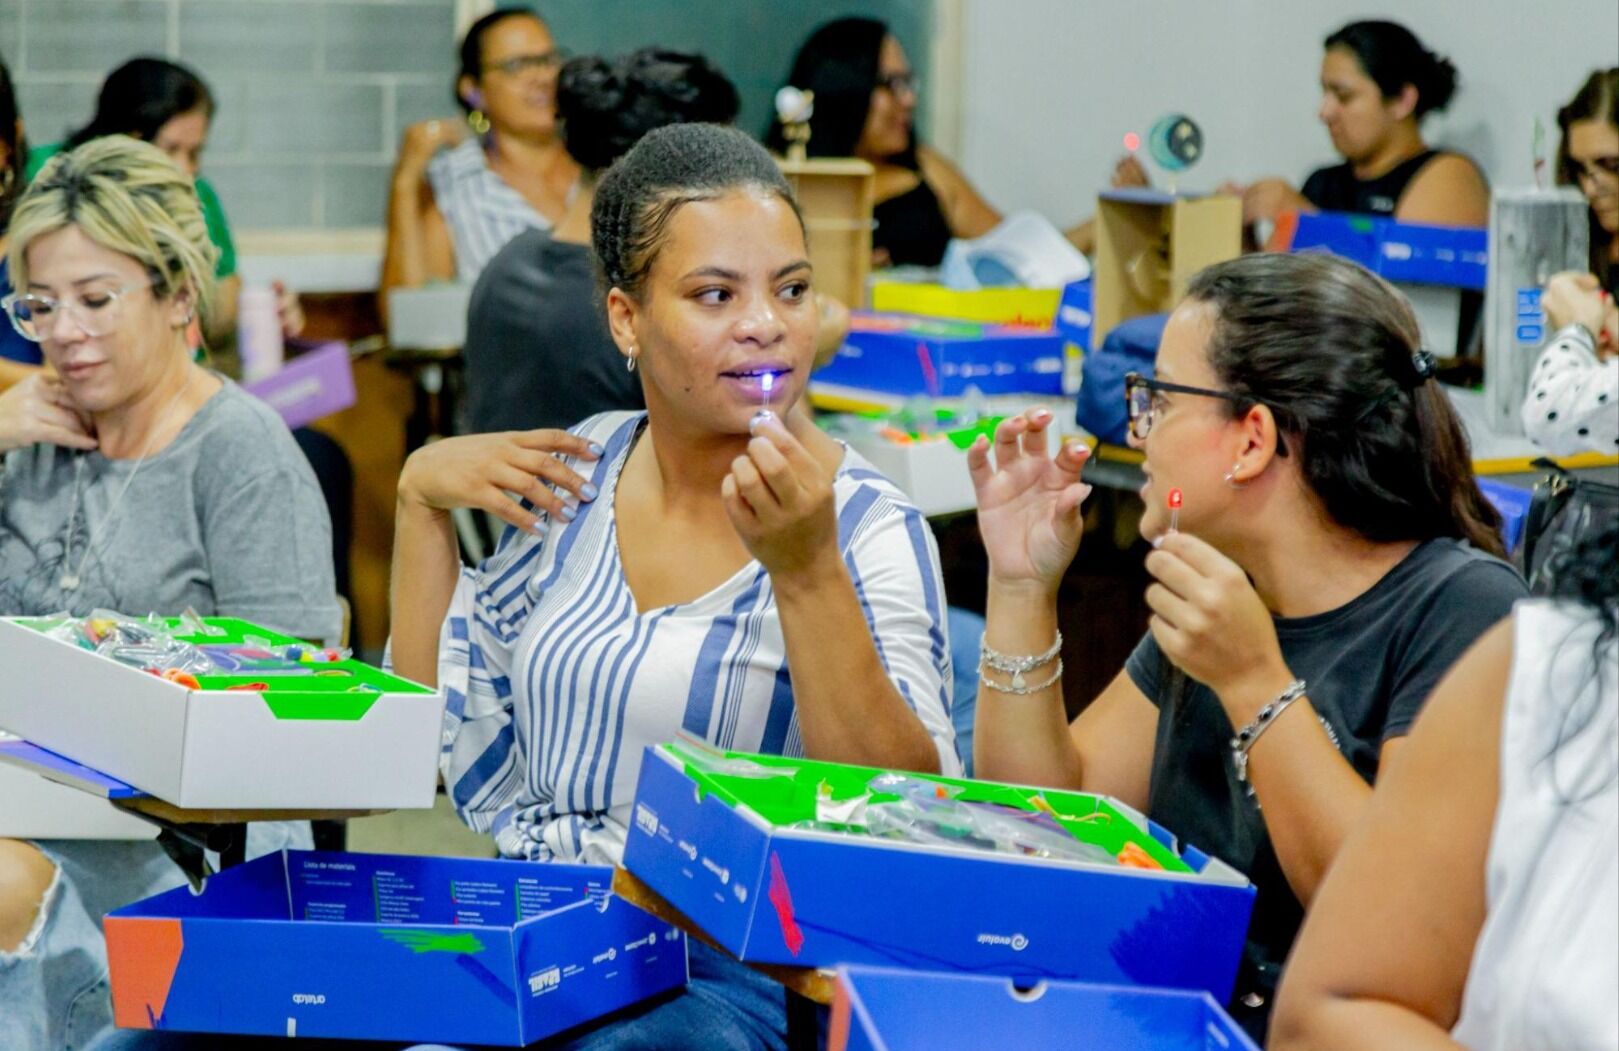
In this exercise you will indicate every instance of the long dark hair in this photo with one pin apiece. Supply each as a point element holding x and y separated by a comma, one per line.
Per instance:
<point>16,150</point>
<point>605,107</point>
<point>839,63</point>
<point>1393,57</point>
<point>1334,352</point>
<point>141,96</point>
<point>1597,99</point>
<point>670,166</point>
<point>1588,577</point>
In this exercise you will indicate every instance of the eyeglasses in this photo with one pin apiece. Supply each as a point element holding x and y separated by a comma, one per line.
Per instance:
<point>899,83</point>
<point>546,60</point>
<point>1142,403</point>
<point>96,310</point>
<point>1595,169</point>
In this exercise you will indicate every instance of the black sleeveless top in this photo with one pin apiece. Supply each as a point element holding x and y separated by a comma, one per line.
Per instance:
<point>1336,189</point>
<point>912,227</point>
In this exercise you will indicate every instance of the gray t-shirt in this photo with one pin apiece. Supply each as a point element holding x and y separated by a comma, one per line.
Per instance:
<point>227,519</point>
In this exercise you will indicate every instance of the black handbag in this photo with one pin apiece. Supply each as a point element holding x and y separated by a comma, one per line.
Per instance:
<point>1563,511</point>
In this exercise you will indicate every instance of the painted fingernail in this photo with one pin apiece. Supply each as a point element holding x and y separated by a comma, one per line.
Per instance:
<point>568,513</point>
<point>1157,542</point>
<point>596,450</point>
<point>589,492</point>
<point>760,418</point>
<point>540,527</point>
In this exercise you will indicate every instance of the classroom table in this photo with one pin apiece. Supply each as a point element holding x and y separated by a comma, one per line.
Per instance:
<point>1504,458</point>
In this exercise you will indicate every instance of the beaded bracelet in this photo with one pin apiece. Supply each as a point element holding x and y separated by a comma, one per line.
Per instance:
<point>1245,738</point>
<point>1018,686</point>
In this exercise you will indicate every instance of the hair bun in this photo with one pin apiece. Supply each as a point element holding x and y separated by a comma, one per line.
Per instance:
<point>605,107</point>
<point>1438,86</point>
<point>588,84</point>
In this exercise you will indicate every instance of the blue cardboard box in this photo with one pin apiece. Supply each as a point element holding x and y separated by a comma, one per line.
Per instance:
<point>1452,256</point>
<point>1074,318</point>
<point>880,1009</point>
<point>314,944</point>
<point>771,890</point>
<point>898,354</point>
<point>1512,501</point>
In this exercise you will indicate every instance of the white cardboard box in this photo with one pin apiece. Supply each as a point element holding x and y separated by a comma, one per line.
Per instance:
<point>34,807</point>
<point>932,473</point>
<point>213,749</point>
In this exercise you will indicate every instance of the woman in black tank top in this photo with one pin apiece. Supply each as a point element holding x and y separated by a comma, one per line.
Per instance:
<point>1377,83</point>
<point>865,99</point>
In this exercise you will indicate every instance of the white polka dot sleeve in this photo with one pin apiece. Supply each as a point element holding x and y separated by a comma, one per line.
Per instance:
<point>1573,400</point>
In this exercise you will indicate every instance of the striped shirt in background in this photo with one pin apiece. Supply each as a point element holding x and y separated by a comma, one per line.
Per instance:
<point>556,683</point>
<point>482,210</point>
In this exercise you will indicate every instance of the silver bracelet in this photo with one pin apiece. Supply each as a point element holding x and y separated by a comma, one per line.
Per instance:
<point>1245,738</point>
<point>1019,687</point>
<point>1016,666</point>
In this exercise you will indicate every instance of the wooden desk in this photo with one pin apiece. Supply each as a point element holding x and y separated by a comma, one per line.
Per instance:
<point>187,835</point>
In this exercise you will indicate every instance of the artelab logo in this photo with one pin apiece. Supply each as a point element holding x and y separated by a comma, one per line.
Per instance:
<point>645,819</point>
<point>605,957</point>
<point>1017,942</point>
<point>544,981</point>
<point>688,849</point>
<point>717,869</point>
<point>308,998</point>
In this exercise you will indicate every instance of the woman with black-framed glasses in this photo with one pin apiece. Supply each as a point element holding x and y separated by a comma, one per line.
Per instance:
<point>463,189</point>
<point>1333,558</point>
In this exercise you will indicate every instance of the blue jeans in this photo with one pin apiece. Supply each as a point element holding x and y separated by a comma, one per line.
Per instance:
<point>54,996</point>
<point>966,643</point>
<point>727,1007</point>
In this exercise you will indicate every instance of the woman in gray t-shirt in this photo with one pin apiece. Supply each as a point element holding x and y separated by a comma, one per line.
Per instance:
<point>134,480</point>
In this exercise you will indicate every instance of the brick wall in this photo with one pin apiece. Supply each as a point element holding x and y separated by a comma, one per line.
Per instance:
<point>313,94</point>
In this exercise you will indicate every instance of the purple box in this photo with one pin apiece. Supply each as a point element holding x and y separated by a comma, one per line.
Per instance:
<point>317,382</point>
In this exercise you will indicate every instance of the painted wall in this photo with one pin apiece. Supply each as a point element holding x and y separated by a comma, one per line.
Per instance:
<point>1050,87</point>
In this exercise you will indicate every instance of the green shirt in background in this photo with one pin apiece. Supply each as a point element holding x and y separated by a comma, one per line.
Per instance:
<point>213,213</point>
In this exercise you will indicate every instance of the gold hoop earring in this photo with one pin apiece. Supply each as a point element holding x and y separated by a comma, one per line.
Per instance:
<point>479,122</point>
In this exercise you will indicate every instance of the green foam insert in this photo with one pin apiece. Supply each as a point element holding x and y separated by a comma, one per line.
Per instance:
<point>791,797</point>
<point>312,696</point>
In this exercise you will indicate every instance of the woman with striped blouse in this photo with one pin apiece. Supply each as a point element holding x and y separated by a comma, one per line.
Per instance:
<point>715,564</point>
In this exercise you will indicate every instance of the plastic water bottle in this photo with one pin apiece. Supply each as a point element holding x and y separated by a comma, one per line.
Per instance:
<point>258,332</point>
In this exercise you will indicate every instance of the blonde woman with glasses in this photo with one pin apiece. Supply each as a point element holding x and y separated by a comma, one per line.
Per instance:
<point>137,480</point>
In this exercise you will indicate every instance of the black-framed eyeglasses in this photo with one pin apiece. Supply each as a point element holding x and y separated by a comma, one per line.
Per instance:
<point>899,83</point>
<point>1595,169</point>
<point>1140,399</point>
<point>547,60</point>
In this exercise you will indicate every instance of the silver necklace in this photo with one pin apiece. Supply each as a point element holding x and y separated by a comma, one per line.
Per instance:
<point>72,578</point>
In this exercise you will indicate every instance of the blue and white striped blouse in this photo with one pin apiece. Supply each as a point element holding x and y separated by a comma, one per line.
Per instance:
<point>482,210</point>
<point>556,682</point>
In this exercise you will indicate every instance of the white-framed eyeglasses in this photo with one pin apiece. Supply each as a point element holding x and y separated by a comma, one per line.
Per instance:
<point>97,310</point>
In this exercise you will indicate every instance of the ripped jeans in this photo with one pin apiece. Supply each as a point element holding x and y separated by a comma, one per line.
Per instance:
<point>53,992</point>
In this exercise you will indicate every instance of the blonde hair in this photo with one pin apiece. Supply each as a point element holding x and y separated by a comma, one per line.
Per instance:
<point>126,196</point>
